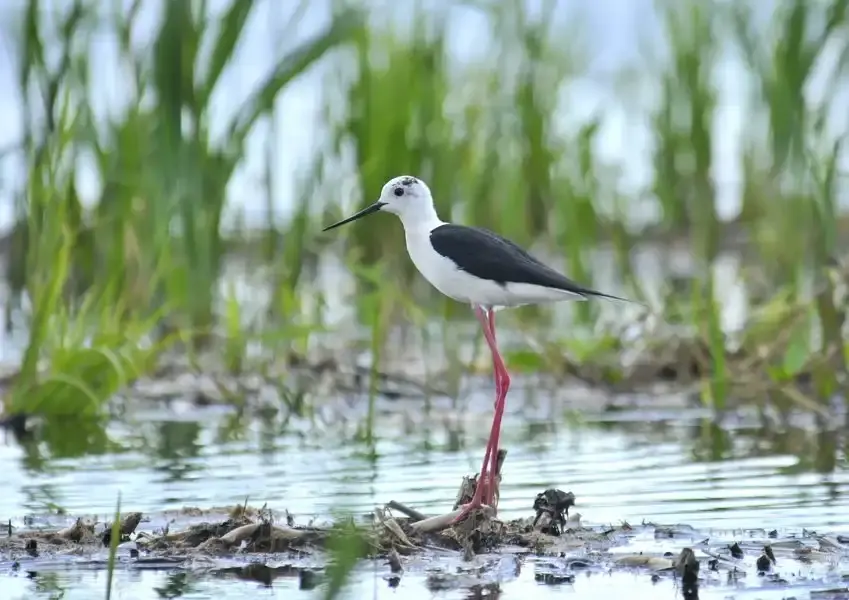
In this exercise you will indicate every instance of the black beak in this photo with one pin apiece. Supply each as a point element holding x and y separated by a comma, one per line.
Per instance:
<point>363,213</point>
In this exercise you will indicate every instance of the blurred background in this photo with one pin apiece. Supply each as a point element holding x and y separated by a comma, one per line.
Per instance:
<point>166,169</point>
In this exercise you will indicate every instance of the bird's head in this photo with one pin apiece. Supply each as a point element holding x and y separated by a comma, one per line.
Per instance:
<point>405,196</point>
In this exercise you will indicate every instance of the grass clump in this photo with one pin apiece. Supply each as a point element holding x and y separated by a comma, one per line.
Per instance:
<point>109,288</point>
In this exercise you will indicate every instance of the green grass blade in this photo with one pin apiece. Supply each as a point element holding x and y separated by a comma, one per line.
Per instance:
<point>114,541</point>
<point>231,26</point>
<point>288,68</point>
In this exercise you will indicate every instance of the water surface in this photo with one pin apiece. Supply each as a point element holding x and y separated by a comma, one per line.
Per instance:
<point>650,460</point>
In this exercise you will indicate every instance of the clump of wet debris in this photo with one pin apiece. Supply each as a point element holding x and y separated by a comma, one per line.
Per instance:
<point>395,534</point>
<point>391,530</point>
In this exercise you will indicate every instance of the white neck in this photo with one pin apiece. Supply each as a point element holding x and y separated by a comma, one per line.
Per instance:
<point>422,218</point>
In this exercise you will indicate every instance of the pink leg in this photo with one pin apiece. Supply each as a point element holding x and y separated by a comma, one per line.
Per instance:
<point>490,459</point>
<point>481,491</point>
<point>501,386</point>
<point>485,491</point>
<point>491,321</point>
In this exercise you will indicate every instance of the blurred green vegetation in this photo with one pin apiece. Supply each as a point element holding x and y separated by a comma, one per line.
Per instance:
<point>107,291</point>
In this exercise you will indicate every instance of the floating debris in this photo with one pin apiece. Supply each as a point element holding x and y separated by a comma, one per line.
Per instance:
<point>478,553</point>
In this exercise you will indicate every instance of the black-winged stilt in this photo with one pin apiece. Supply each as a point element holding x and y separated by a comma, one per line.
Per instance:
<point>477,267</point>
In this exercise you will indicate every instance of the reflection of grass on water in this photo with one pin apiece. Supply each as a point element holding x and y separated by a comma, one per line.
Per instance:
<point>109,290</point>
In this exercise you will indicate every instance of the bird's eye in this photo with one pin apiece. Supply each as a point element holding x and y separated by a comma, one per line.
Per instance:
<point>399,192</point>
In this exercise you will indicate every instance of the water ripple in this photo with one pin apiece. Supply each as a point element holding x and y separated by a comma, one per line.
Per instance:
<point>620,471</point>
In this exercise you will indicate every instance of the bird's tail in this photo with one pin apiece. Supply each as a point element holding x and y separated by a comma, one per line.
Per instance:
<point>596,294</point>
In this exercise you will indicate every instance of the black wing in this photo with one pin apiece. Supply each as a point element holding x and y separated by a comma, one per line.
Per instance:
<point>487,255</point>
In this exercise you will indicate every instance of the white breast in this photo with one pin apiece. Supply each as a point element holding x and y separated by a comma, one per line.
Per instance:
<point>442,273</point>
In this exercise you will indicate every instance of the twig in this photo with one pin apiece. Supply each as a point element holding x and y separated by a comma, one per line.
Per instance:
<point>392,525</point>
<point>244,532</point>
<point>406,510</point>
<point>438,523</point>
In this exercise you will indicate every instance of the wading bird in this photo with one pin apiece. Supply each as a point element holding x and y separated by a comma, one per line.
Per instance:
<point>480,268</point>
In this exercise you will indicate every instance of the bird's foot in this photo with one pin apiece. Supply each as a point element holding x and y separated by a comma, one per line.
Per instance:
<point>468,509</point>
<point>481,499</point>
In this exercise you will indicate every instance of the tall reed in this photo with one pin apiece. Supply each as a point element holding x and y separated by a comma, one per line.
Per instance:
<point>485,133</point>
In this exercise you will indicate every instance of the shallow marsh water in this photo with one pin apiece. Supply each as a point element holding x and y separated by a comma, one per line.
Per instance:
<point>646,460</point>
<point>639,458</point>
